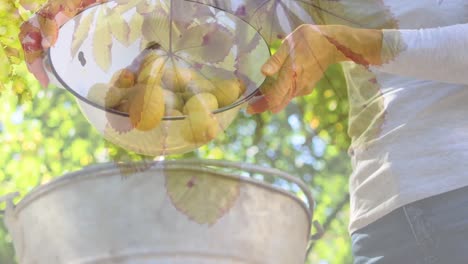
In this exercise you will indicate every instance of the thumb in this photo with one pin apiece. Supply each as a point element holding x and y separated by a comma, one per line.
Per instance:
<point>257,105</point>
<point>275,62</point>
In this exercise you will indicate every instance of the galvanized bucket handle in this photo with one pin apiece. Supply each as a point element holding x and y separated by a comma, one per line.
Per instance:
<point>255,169</point>
<point>8,213</point>
<point>8,198</point>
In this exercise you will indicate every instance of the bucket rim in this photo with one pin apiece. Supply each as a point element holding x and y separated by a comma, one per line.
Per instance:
<point>109,169</point>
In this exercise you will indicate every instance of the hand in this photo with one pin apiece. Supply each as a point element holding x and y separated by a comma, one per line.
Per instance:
<point>305,55</point>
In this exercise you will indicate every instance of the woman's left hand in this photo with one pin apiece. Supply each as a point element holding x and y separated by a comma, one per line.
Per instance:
<point>305,55</point>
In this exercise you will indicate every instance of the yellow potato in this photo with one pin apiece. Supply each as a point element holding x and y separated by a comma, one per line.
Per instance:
<point>201,85</point>
<point>123,79</point>
<point>200,127</point>
<point>186,95</point>
<point>201,102</point>
<point>227,91</point>
<point>105,95</point>
<point>124,106</point>
<point>147,68</point>
<point>173,100</point>
<point>173,112</point>
<point>177,78</point>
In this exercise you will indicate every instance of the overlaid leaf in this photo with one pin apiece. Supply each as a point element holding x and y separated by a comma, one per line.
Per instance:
<point>147,107</point>
<point>156,27</point>
<point>367,14</point>
<point>184,12</point>
<point>124,6</point>
<point>246,39</point>
<point>49,30</point>
<point>30,37</point>
<point>102,41</point>
<point>81,31</point>
<point>145,6</point>
<point>275,20</point>
<point>135,27</point>
<point>206,42</point>
<point>119,28</point>
<point>204,197</point>
<point>72,7</point>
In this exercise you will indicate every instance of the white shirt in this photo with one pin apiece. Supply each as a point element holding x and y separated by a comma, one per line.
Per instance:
<point>409,118</point>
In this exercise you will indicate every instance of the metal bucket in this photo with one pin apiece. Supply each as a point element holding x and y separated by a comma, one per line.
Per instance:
<point>101,215</point>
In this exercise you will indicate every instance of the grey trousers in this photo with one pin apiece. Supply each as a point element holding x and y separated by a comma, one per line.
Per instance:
<point>430,231</point>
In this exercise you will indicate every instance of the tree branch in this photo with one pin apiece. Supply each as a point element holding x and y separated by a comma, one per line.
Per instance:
<point>343,202</point>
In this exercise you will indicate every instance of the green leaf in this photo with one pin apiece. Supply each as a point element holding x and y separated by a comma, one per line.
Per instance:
<point>4,66</point>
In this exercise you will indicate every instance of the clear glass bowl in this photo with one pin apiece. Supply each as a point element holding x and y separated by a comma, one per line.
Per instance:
<point>108,37</point>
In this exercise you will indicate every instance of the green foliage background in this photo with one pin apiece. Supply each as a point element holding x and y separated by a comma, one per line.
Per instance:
<point>47,136</point>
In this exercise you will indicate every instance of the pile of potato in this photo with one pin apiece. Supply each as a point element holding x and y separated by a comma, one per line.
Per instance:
<point>157,89</point>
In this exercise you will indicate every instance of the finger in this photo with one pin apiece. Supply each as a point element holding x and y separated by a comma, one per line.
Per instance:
<point>280,93</point>
<point>307,89</point>
<point>276,96</point>
<point>257,105</point>
<point>260,103</point>
<point>287,82</point>
<point>274,64</point>
<point>308,79</point>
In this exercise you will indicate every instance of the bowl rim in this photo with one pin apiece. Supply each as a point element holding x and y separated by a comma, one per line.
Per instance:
<point>165,118</point>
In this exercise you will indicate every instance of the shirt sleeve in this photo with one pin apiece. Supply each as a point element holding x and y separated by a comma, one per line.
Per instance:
<point>437,54</point>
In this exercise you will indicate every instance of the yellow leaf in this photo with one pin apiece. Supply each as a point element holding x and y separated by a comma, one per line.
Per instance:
<point>124,6</point>
<point>145,6</point>
<point>102,42</point>
<point>203,196</point>
<point>156,28</point>
<point>119,28</point>
<point>147,107</point>
<point>136,22</point>
<point>81,31</point>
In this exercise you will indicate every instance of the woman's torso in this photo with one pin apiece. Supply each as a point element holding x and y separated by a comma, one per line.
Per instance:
<point>409,136</point>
